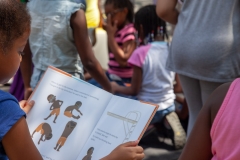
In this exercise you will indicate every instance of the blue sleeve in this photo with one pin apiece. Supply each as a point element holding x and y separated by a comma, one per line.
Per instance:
<point>10,113</point>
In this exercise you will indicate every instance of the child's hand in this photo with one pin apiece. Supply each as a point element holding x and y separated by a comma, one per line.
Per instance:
<point>114,87</point>
<point>126,151</point>
<point>26,106</point>
<point>109,27</point>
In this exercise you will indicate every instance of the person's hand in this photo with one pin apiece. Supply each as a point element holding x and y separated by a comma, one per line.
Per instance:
<point>114,87</point>
<point>109,27</point>
<point>126,151</point>
<point>27,92</point>
<point>26,106</point>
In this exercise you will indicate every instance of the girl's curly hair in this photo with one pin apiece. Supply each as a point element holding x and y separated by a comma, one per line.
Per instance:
<point>14,21</point>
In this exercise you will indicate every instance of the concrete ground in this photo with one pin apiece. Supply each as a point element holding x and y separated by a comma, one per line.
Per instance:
<point>158,148</point>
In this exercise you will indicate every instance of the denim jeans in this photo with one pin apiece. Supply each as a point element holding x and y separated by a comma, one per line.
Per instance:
<point>158,117</point>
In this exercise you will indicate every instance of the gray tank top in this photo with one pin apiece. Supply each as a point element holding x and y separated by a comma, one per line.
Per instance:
<point>206,41</point>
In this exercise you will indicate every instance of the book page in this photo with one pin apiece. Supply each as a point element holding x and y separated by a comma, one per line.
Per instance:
<point>65,113</point>
<point>122,121</point>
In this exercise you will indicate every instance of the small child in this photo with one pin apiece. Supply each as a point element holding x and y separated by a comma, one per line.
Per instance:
<point>121,40</point>
<point>59,38</point>
<point>15,139</point>
<point>215,134</point>
<point>151,82</point>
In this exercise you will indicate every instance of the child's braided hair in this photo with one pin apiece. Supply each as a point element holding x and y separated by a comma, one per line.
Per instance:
<point>147,17</point>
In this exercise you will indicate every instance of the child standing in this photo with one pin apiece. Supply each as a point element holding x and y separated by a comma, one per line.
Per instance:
<point>15,139</point>
<point>121,40</point>
<point>151,82</point>
<point>59,38</point>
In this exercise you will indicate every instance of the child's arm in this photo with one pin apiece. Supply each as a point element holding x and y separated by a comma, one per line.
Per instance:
<point>121,55</point>
<point>166,9</point>
<point>198,146</point>
<point>26,70</point>
<point>135,83</point>
<point>100,14</point>
<point>126,151</point>
<point>90,63</point>
<point>177,87</point>
<point>18,143</point>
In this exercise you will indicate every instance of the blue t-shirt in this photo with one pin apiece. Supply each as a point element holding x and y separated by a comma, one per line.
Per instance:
<point>10,113</point>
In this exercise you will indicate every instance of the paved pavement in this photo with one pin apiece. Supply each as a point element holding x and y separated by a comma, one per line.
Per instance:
<point>158,148</point>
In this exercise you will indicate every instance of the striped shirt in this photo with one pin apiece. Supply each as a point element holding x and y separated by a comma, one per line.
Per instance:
<point>122,36</point>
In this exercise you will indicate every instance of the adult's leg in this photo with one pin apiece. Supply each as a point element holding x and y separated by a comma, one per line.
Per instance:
<point>207,88</point>
<point>192,92</point>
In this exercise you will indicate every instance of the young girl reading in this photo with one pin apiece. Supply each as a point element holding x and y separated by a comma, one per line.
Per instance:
<point>121,40</point>
<point>15,140</point>
<point>151,82</point>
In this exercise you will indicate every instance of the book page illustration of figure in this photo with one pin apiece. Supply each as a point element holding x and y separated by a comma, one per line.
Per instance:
<point>67,131</point>
<point>68,111</point>
<point>45,131</point>
<point>55,107</point>
<point>129,122</point>
<point>89,154</point>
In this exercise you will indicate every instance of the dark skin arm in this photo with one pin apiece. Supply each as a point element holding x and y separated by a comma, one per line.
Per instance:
<point>198,146</point>
<point>178,89</point>
<point>26,70</point>
<point>90,63</point>
<point>18,143</point>
<point>166,9</point>
<point>121,55</point>
<point>177,86</point>
<point>100,13</point>
<point>135,83</point>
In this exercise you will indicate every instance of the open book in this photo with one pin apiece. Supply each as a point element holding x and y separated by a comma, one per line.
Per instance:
<point>73,119</point>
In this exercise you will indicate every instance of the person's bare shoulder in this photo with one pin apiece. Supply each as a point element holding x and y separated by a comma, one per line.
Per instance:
<point>216,99</point>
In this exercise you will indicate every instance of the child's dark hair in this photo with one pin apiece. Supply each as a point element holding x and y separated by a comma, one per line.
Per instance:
<point>147,17</point>
<point>120,4</point>
<point>14,21</point>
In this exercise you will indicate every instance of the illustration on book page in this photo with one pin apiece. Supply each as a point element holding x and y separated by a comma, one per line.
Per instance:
<point>129,122</point>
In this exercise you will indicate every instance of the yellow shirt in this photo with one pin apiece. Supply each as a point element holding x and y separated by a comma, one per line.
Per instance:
<point>92,13</point>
